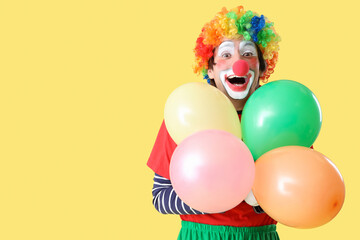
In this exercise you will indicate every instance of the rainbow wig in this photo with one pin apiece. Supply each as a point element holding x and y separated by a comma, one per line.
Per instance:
<point>235,24</point>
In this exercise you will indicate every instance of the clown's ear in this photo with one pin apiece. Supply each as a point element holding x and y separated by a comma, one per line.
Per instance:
<point>263,72</point>
<point>210,73</point>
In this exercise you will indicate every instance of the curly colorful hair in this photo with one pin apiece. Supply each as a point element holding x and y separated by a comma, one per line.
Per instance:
<point>234,24</point>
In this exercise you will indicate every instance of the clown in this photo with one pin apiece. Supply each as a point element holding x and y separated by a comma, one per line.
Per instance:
<point>234,52</point>
<point>230,37</point>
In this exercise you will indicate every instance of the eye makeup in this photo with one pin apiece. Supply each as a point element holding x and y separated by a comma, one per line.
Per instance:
<point>226,47</point>
<point>247,47</point>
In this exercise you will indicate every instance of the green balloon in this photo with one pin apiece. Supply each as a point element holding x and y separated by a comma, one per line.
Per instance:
<point>280,113</point>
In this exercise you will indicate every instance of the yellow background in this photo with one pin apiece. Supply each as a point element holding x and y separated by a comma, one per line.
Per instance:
<point>82,91</point>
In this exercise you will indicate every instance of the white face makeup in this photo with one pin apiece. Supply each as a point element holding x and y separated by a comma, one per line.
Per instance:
<point>226,48</point>
<point>237,88</point>
<point>246,48</point>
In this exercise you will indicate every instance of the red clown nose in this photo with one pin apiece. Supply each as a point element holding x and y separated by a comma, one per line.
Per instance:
<point>240,68</point>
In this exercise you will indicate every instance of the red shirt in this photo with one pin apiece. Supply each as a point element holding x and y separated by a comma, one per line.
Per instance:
<point>242,215</point>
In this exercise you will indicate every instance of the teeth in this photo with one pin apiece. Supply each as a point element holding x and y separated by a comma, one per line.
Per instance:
<point>233,76</point>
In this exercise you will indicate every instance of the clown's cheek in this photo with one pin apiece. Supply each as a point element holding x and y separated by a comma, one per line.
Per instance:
<point>253,63</point>
<point>221,64</point>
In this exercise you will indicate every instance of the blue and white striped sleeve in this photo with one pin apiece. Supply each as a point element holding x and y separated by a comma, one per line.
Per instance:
<point>165,199</point>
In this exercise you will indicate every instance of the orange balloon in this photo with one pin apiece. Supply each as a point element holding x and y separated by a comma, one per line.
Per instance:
<point>298,186</point>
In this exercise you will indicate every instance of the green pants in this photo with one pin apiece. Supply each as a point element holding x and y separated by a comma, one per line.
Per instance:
<point>199,231</point>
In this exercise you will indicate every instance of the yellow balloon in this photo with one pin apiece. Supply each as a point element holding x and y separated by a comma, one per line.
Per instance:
<point>194,107</point>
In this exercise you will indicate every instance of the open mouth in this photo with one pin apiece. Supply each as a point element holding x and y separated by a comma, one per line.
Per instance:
<point>236,80</point>
<point>237,83</point>
<point>237,87</point>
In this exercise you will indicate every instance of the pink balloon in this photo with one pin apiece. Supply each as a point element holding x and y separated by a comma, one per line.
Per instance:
<point>212,171</point>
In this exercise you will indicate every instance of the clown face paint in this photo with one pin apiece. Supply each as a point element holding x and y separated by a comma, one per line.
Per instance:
<point>236,88</point>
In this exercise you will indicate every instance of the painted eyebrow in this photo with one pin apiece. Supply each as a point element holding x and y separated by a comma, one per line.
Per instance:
<point>226,44</point>
<point>246,43</point>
